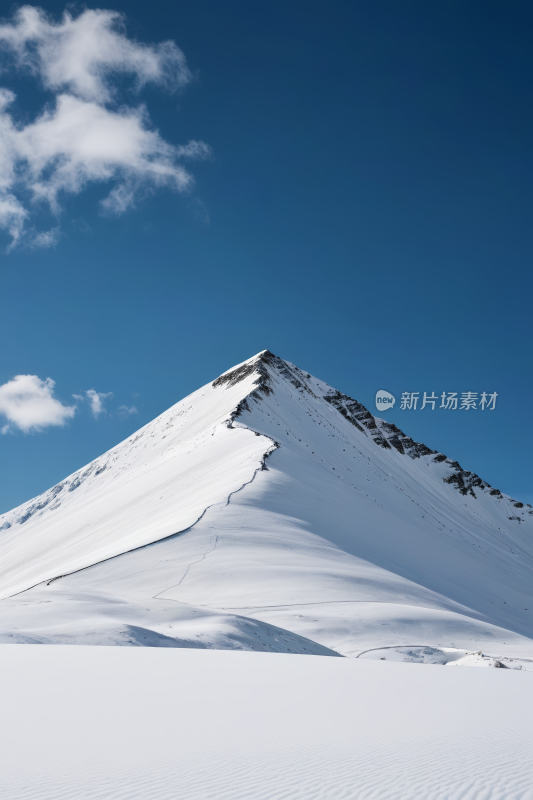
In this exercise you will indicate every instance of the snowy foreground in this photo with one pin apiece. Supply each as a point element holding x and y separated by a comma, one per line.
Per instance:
<point>112,722</point>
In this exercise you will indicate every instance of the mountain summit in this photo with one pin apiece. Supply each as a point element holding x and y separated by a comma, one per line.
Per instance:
<point>268,510</point>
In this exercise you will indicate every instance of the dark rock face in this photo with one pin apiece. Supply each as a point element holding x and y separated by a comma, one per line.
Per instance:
<point>464,480</point>
<point>258,367</point>
<point>263,382</point>
<point>385,434</point>
<point>266,367</point>
<point>353,411</point>
<point>403,443</point>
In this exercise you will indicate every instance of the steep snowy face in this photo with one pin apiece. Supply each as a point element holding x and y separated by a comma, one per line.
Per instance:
<point>271,370</point>
<point>378,495</point>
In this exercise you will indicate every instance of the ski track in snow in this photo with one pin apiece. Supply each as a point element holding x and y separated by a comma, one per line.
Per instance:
<point>128,498</point>
<point>171,536</point>
<point>220,725</point>
<point>188,568</point>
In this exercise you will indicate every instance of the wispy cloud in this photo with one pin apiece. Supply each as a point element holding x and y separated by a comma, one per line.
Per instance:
<point>81,225</point>
<point>84,136</point>
<point>199,211</point>
<point>124,412</point>
<point>96,401</point>
<point>46,239</point>
<point>28,404</point>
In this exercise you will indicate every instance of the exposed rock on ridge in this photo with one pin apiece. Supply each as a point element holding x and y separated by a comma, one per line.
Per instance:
<point>269,367</point>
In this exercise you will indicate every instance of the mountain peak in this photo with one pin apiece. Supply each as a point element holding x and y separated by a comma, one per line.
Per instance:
<point>268,494</point>
<point>267,367</point>
<point>257,363</point>
<point>161,480</point>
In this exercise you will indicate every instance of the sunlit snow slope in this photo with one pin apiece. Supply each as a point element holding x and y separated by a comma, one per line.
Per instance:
<point>157,482</point>
<point>297,511</point>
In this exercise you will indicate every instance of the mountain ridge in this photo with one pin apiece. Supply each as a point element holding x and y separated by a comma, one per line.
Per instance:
<point>383,433</point>
<point>264,491</point>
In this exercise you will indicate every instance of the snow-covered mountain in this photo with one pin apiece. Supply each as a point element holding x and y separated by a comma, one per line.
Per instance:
<point>270,511</point>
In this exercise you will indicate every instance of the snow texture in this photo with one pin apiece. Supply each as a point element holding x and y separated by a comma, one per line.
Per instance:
<point>109,722</point>
<point>268,511</point>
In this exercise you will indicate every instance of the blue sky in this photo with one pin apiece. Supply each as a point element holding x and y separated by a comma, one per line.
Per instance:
<point>361,207</point>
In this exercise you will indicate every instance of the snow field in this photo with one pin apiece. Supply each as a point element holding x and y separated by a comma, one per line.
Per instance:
<point>113,722</point>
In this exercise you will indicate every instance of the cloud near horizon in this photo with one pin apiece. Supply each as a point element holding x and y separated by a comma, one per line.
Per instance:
<point>28,403</point>
<point>96,401</point>
<point>84,136</point>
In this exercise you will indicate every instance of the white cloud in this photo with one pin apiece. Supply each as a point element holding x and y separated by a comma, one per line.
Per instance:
<point>124,412</point>
<point>79,139</point>
<point>28,403</point>
<point>83,55</point>
<point>96,400</point>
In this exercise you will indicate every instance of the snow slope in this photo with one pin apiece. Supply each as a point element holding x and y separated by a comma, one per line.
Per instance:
<point>111,722</point>
<point>285,504</point>
<point>157,482</point>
